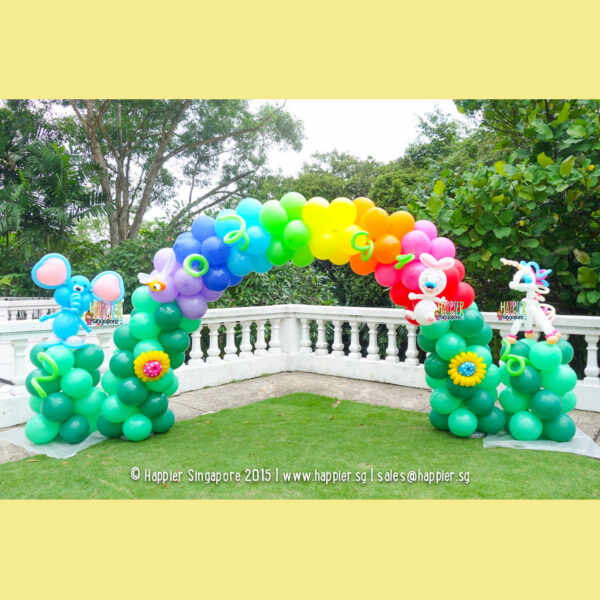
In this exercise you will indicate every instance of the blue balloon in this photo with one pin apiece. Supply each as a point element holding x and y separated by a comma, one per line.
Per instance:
<point>259,240</point>
<point>239,263</point>
<point>223,227</point>
<point>261,264</point>
<point>203,227</point>
<point>185,246</point>
<point>62,295</point>
<point>215,250</point>
<point>249,210</point>
<point>234,280</point>
<point>185,234</point>
<point>64,325</point>
<point>217,279</point>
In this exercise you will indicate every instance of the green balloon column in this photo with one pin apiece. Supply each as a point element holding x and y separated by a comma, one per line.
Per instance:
<point>63,393</point>
<point>141,376</point>
<point>539,389</point>
<point>463,378</point>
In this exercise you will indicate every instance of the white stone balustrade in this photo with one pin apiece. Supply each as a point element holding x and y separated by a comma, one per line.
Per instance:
<point>249,342</point>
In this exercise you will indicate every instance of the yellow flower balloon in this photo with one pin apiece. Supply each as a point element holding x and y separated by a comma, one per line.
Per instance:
<point>467,369</point>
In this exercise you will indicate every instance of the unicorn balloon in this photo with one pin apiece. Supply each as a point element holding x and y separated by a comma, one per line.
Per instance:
<point>531,279</point>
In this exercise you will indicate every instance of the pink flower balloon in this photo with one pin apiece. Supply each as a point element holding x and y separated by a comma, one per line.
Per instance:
<point>415,242</point>
<point>442,247</point>
<point>428,228</point>
<point>409,274</point>
<point>387,275</point>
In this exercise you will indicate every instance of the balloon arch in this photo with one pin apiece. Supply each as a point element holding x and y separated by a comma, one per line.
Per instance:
<point>406,256</point>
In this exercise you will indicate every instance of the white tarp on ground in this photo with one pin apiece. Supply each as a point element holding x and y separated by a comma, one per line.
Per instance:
<point>581,444</point>
<point>58,449</point>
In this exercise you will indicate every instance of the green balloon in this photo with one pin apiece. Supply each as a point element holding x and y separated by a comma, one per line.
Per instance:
<point>528,382</point>
<point>481,402</point>
<point>568,401</point>
<point>143,301</point>
<point>168,316</point>
<point>33,353</point>
<point>163,423</point>
<point>491,381</point>
<point>121,364</point>
<point>507,417</point>
<point>132,391</point>
<point>93,422</point>
<point>566,351</point>
<point>277,253</point>
<point>162,384</point>
<point>493,422</point>
<point>435,330</point>
<point>146,346</point>
<point>296,235</point>
<point>123,338</point>
<point>177,360</point>
<point>520,348</point>
<point>545,357</point>
<point>459,391</point>
<point>546,405</point>
<point>436,367</point>
<point>529,341</point>
<point>443,402</point>
<point>63,357</point>
<point>483,352</point>
<point>293,203</point>
<point>155,405</point>
<point>57,407</point>
<point>143,327</point>
<point>426,344</point>
<point>110,383</point>
<point>91,404</point>
<point>435,383</point>
<point>504,375</point>
<point>137,427</point>
<point>189,325</point>
<point>173,387</point>
<point>90,357</point>
<point>77,383</point>
<point>174,341</point>
<point>483,338</point>
<point>273,217</point>
<point>303,257</point>
<point>40,430</point>
<point>35,403</point>
<point>438,420</point>
<point>47,386</point>
<point>449,345</point>
<point>525,426</point>
<point>115,411</point>
<point>471,324</point>
<point>513,401</point>
<point>462,422</point>
<point>96,376</point>
<point>108,429</point>
<point>560,429</point>
<point>75,430</point>
<point>561,380</point>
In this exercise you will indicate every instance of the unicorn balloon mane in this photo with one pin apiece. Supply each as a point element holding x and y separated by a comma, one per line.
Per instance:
<point>531,279</point>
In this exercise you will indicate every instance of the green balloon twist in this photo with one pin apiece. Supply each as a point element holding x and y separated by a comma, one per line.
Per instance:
<point>403,259</point>
<point>48,361</point>
<point>237,235</point>
<point>189,269</point>
<point>510,359</point>
<point>366,251</point>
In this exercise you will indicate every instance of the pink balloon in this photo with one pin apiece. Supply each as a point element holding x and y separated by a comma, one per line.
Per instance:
<point>211,295</point>
<point>409,274</point>
<point>428,228</point>
<point>192,307</point>
<point>442,247</point>
<point>387,275</point>
<point>169,293</point>
<point>186,284</point>
<point>415,242</point>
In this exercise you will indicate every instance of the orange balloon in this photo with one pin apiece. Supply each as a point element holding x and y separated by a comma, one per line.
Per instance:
<point>360,267</point>
<point>401,222</point>
<point>375,221</point>
<point>387,247</point>
<point>362,206</point>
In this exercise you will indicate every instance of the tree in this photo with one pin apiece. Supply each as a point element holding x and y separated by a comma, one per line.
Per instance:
<point>143,148</point>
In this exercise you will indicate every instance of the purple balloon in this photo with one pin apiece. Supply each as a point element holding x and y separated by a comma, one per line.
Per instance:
<point>427,227</point>
<point>169,293</point>
<point>162,258</point>
<point>186,284</point>
<point>210,295</point>
<point>192,307</point>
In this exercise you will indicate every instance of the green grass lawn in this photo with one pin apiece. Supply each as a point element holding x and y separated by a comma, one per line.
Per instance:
<point>301,433</point>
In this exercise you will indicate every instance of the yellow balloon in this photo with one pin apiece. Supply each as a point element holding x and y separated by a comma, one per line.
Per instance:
<point>314,213</point>
<point>342,213</point>
<point>344,240</point>
<point>322,245</point>
<point>339,258</point>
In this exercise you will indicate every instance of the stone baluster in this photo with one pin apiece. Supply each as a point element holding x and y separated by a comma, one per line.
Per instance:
<point>373,347</point>
<point>21,361</point>
<point>274,343</point>
<point>305,345</point>
<point>392,347</point>
<point>214,353</point>
<point>355,350</point>
<point>230,347</point>
<point>105,341</point>
<point>321,347</point>
<point>337,349</point>
<point>591,370</point>
<point>196,354</point>
<point>412,351</point>
<point>246,344</point>
<point>260,348</point>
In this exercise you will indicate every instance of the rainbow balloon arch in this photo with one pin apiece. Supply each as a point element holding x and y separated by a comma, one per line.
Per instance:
<point>404,255</point>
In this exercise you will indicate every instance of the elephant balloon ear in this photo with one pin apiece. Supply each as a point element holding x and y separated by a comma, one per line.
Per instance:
<point>108,286</point>
<point>51,271</point>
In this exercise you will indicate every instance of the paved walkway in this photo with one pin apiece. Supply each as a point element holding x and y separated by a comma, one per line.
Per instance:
<point>192,404</point>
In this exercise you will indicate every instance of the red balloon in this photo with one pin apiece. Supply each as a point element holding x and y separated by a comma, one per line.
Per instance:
<point>461,268</point>
<point>399,295</point>
<point>411,306</point>
<point>453,279</point>
<point>465,293</point>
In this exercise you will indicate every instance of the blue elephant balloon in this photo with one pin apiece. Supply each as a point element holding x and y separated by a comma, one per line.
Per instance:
<point>74,294</point>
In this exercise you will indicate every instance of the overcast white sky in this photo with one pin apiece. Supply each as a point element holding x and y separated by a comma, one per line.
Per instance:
<point>378,128</point>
